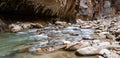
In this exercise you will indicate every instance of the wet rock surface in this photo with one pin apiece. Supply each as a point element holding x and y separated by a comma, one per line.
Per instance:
<point>19,26</point>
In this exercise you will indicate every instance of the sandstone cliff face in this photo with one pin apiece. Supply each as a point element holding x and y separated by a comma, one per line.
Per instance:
<point>62,9</point>
<point>3,26</point>
<point>92,9</point>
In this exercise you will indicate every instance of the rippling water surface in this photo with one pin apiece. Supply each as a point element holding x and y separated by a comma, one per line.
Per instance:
<point>8,41</point>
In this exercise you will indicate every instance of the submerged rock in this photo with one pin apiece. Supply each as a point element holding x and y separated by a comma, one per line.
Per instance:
<point>32,50</point>
<point>38,37</point>
<point>21,48</point>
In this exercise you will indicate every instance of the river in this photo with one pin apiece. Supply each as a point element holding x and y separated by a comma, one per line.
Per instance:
<point>8,41</point>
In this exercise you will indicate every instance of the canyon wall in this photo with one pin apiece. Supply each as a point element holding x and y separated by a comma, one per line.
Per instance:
<point>66,10</point>
<point>60,9</point>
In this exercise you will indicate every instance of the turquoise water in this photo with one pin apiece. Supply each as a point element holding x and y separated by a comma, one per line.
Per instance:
<point>8,41</point>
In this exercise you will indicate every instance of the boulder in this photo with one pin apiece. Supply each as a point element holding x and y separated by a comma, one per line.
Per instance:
<point>15,27</point>
<point>87,51</point>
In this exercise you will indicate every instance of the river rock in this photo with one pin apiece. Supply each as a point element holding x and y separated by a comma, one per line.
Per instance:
<point>104,51</point>
<point>100,57</point>
<point>104,43</point>
<point>48,49</point>
<point>87,51</point>
<point>66,42</point>
<point>79,21</point>
<point>61,23</point>
<point>118,32</point>
<point>38,51</point>
<point>15,28</point>
<point>109,36</point>
<point>21,48</point>
<point>74,34</point>
<point>72,28</point>
<point>98,31</point>
<point>83,3</point>
<point>26,25</point>
<point>103,34</point>
<point>36,25</point>
<point>35,50</point>
<point>113,55</point>
<point>32,50</point>
<point>71,46</point>
<point>77,45</point>
<point>101,45</point>
<point>85,26</point>
<point>96,41</point>
<point>118,38</point>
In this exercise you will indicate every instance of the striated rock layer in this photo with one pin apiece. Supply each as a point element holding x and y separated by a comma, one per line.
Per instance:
<point>62,9</point>
<point>13,11</point>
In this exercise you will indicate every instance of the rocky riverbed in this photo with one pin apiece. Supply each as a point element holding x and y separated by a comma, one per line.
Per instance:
<point>87,39</point>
